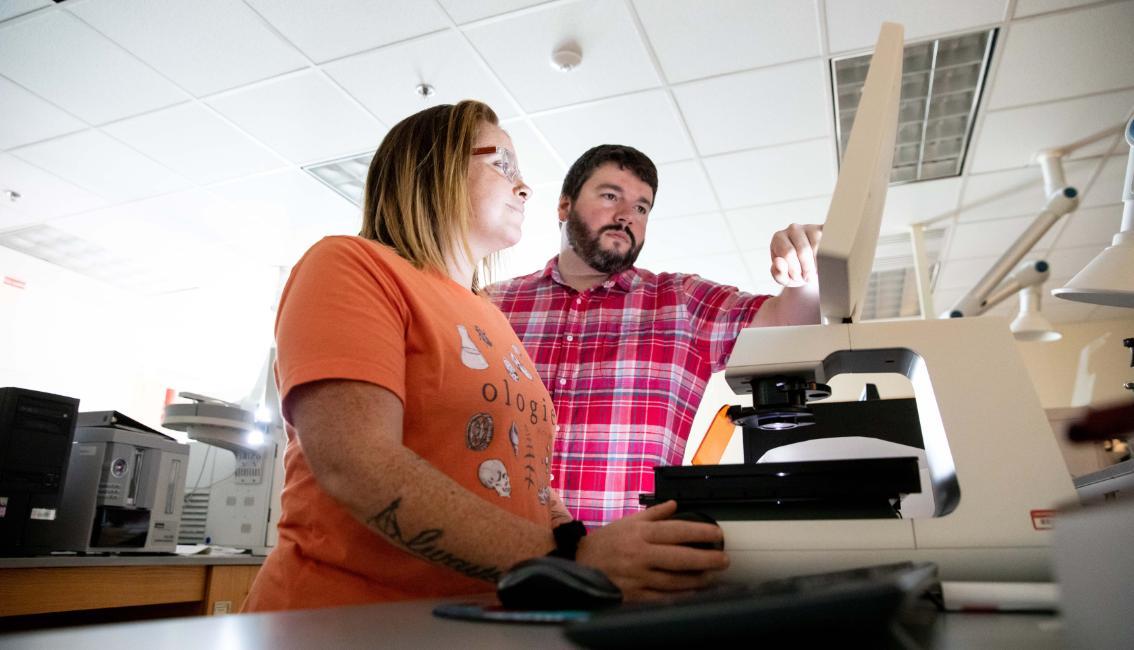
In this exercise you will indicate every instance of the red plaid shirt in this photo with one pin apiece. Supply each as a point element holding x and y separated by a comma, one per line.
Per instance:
<point>626,363</point>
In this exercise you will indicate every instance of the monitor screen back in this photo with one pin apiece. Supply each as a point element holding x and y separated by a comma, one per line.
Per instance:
<point>850,233</point>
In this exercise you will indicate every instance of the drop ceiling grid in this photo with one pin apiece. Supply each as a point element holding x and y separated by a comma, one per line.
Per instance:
<point>829,27</point>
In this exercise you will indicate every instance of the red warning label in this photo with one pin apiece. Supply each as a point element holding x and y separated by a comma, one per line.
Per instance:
<point>1043,519</point>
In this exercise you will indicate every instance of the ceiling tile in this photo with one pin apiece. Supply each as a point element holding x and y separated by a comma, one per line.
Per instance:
<point>1032,58</point>
<point>204,46</point>
<point>27,118</point>
<point>683,189</point>
<point>328,30</point>
<point>701,234</point>
<point>196,143</point>
<point>992,237</point>
<point>162,224</point>
<point>773,174</point>
<point>282,213</point>
<point>744,34</point>
<point>733,112</point>
<point>13,8</point>
<point>69,64</point>
<point>1011,138</point>
<point>1108,186</point>
<point>723,268</point>
<point>1066,262</point>
<point>1033,7</point>
<point>997,195</point>
<point>1095,226</point>
<point>302,116</point>
<point>463,11</point>
<point>42,196</point>
<point>853,24</point>
<point>539,164</point>
<point>913,202</point>
<point>100,164</point>
<point>962,274</point>
<point>519,50</point>
<point>645,121</point>
<point>385,80</point>
<point>754,226</point>
<point>944,299</point>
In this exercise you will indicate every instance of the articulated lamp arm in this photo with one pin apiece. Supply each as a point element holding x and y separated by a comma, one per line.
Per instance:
<point>979,299</point>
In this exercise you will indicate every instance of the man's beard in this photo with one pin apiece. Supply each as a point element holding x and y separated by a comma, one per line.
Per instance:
<point>588,247</point>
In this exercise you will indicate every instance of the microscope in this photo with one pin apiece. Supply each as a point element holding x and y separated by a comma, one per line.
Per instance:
<point>995,474</point>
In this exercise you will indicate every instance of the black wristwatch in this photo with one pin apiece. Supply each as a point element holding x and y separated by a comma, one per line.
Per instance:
<point>567,538</point>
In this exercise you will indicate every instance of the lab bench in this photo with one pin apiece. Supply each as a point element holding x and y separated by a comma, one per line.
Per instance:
<point>53,591</point>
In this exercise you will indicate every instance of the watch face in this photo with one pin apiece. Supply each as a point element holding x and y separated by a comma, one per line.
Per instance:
<point>118,467</point>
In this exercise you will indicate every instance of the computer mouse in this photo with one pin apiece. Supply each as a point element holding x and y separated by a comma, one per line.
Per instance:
<point>550,583</point>
<point>698,516</point>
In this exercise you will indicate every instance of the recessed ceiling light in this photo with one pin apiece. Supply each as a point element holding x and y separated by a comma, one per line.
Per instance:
<point>892,289</point>
<point>86,258</point>
<point>346,176</point>
<point>942,82</point>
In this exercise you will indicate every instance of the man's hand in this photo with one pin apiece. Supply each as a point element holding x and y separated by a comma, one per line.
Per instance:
<point>793,254</point>
<point>644,556</point>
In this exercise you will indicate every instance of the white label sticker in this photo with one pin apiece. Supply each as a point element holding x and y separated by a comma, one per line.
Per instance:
<point>43,514</point>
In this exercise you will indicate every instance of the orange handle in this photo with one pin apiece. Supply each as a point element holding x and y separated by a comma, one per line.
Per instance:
<point>716,439</point>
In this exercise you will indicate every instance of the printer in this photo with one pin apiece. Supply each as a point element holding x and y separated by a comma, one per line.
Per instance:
<point>124,489</point>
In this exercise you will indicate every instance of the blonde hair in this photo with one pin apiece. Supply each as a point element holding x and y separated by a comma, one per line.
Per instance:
<point>417,194</point>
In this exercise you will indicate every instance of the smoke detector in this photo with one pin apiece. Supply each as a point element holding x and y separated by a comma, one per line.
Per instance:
<point>567,56</point>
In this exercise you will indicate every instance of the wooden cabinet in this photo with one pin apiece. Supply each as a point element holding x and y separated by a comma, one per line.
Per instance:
<point>36,595</point>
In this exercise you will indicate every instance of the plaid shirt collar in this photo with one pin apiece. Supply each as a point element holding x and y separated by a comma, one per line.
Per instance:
<point>623,280</point>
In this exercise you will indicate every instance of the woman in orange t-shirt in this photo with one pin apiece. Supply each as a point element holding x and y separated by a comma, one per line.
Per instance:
<point>419,435</point>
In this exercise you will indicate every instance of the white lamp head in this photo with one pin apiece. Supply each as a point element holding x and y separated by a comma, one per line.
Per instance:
<point>1106,280</point>
<point>1030,324</point>
<point>1109,278</point>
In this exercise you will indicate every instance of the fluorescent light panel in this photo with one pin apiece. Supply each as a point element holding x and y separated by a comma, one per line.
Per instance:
<point>87,258</point>
<point>942,82</point>
<point>892,289</point>
<point>347,176</point>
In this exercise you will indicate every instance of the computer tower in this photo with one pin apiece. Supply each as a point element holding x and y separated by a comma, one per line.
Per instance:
<point>36,431</point>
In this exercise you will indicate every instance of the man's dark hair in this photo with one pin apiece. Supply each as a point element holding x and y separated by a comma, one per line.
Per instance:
<point>626,157</point>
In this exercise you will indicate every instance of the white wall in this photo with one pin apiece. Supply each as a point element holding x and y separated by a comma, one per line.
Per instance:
<point>1087,367</point>
<point>65,333</point>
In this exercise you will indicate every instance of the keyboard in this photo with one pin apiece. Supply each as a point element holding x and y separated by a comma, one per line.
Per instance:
<point>841,607</point>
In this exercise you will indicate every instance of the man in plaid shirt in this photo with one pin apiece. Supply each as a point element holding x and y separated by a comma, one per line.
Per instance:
<point>626,353</point>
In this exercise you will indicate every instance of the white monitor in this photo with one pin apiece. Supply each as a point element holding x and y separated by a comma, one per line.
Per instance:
<point>850,233</point>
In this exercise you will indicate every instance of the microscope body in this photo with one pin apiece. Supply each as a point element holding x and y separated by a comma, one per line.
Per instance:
<point>995,468</point>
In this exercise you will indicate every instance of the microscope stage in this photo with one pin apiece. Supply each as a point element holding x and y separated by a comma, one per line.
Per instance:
<point>861,488</point>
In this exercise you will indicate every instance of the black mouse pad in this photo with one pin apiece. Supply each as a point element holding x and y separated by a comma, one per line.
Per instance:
<point>496,614</point>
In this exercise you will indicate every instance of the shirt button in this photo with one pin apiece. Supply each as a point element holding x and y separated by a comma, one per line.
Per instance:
<point>562,381</point>
<point>557,428</point>
<point>608,284</point>
<point>570,338</point>
<point>578,301</point>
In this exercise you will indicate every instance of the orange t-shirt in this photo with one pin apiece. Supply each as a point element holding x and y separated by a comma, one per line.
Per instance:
<point>474,408</point>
